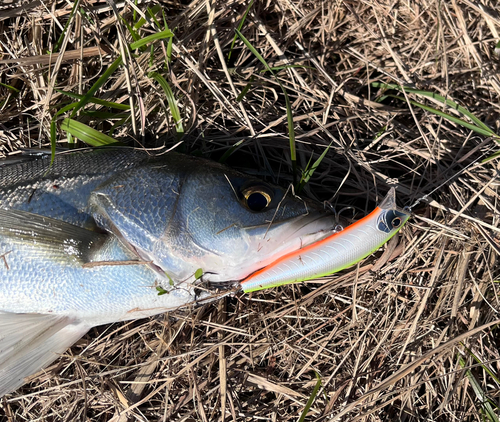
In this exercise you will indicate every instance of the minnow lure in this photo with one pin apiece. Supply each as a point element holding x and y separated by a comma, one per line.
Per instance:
<point>335,252</point>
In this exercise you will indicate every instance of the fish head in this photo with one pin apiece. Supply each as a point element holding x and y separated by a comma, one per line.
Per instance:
<point>184,214</point>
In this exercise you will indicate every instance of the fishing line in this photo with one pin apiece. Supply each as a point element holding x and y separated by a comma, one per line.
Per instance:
<point>426,196</point>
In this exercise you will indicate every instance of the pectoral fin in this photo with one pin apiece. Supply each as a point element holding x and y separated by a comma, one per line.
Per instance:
<point>29,342</point>
<point>48,237</point>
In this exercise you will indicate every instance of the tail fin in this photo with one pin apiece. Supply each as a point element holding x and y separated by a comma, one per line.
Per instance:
<point>29,342</point>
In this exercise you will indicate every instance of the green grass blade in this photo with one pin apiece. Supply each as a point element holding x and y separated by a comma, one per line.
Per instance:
<point>10,96</point>
<point>157,23</point>
<point>88,135</point>
<point>484,402</point>
<point>169,49</point>
<point>10,87</point>
<point>239,29</point>
<point>95,100</point>
<point>98,84</point>
<point>245,90</point>
<point>437,97</point>
<point>152,55</point>
<point>111,69</point>
<point>311,399</point>
<point>63,33</point>
<point>53,129</point>
<point>228,153</point>
<point>151,12</point>
<point>65,109</point>
<point>87,17</point>
<point>167,33</point>
<point>135,35</point>
<point>106,115</point>
<point>291,131</point>
<point>172,103</point>
<point>71,140</point>
<point>161,291</point>
<point>490,373</point>
<point>477,126</point>
<point>380,133</point>
<point>309,171</point>
<point>53,134</point>
<point>461,122</point>
<point>491,157</point>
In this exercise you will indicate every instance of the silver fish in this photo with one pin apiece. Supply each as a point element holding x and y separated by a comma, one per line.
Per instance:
<point>112,235</point>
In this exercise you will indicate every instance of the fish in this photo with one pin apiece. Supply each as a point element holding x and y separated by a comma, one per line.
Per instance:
<point>115,234</point>
<point>335,252</point>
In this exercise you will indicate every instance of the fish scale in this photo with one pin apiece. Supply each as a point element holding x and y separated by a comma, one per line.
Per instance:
<point>99,295</point>
<point>62,190</point>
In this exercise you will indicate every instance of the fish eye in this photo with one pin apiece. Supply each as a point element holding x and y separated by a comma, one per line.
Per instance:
<point>257,198</point>
<point>396,222</point>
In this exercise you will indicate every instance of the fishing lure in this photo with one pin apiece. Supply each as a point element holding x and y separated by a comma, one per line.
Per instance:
<point>335,252</point>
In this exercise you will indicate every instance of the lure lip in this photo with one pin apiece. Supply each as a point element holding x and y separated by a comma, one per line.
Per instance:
<point>389,203</point>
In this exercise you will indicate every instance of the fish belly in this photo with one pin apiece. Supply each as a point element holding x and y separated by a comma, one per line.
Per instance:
<point>106,289</point>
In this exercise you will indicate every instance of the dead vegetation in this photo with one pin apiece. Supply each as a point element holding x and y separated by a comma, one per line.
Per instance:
<point>409,334</point>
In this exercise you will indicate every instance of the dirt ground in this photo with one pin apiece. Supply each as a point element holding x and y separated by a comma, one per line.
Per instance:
<point>410,333</point>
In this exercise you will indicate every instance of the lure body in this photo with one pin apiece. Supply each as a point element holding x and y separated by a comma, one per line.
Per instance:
<point>335,252</point>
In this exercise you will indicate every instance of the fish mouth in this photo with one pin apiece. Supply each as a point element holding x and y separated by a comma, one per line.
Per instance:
<point>316,225</point>
<point>269,242</point>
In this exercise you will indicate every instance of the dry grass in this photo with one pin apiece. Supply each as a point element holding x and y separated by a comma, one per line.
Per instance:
<point>386,336</point>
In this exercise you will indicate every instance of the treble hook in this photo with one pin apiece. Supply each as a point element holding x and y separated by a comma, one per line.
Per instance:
<point>338,226</point>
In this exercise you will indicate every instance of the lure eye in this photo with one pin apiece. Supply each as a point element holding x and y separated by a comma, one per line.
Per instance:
<point>396,222</point>
<point>257,198</point>
<point>390,220</point>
